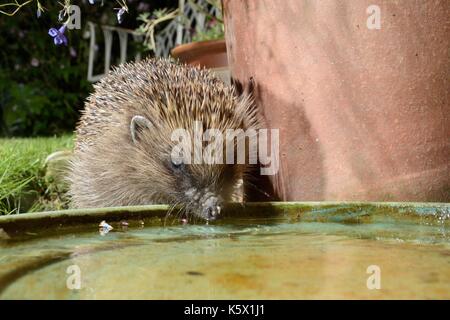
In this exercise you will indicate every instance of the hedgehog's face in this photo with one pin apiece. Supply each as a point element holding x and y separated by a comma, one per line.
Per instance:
<point>200,189</point>
<point>203,189</point>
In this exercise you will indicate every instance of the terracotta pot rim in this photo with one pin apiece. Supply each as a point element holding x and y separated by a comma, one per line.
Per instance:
<point>199,47</point>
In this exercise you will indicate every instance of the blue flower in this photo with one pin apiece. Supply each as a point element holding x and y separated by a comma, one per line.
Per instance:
<point>58,35</point>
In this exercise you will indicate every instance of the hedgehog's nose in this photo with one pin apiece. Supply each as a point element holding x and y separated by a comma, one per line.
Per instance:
<point>211,213</point>
<point>211,208</point>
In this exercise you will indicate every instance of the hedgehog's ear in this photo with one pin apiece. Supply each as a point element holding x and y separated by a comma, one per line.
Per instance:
<point>137,124</point>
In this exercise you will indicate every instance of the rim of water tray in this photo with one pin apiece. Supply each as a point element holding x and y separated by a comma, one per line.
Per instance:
<point>323,211</point>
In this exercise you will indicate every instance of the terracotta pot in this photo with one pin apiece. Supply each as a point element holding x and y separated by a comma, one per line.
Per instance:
<point>363,114</point>
<point>208,54</point>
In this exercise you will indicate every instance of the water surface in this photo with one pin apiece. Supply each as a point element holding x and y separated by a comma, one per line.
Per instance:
<point>232,259</point>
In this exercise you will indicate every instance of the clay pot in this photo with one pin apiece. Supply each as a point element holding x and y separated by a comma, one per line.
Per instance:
<point>208,54</point>
<point>363,114</point>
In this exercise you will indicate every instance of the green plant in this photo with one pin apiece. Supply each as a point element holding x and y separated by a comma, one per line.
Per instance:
<point>213,28</point>
<point>149,23</point>
<point>214,31</point>
<point>23,186</point>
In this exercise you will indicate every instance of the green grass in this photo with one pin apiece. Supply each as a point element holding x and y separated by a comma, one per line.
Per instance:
<point>23,187</point>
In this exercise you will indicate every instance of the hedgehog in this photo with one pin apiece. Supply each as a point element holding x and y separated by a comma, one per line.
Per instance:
<point>124,146</point>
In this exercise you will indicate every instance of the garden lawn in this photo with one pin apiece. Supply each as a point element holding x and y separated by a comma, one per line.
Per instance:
<point>23,186</point>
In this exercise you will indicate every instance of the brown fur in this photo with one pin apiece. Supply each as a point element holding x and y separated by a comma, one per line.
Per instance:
<point>108,169</point>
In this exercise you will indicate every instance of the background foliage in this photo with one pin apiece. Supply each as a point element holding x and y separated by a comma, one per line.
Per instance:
<point>42,86</point>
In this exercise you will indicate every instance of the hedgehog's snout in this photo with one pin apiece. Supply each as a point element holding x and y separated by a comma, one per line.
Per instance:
<point>211,208</point>
<point>207,204</point>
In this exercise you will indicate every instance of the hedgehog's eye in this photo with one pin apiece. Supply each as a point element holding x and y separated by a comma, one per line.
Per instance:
<point>177,164</point>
